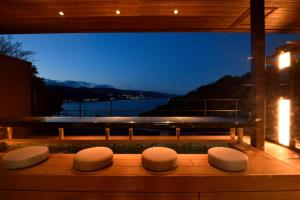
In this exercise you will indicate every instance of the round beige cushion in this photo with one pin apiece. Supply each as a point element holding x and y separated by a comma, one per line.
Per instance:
<point>92,159</point>
<point>159,159</point>
<point>25,157</point>
<point>227,159</point>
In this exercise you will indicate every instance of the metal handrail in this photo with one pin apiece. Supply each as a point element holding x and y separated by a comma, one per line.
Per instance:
<point>109,111</point>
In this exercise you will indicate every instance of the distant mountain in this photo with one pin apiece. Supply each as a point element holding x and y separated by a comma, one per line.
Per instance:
<point>192,104</point>
<point>75,84</point>
<point>82,91</point>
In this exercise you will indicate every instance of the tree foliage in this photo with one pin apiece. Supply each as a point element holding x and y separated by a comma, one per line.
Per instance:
<point>45,101</point>
<point>14,49</point>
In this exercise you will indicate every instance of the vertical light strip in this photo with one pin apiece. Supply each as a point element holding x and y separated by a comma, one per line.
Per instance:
<point>284,109</point>
<point>284,60</point>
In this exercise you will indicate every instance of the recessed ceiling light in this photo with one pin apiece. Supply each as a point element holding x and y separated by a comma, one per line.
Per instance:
<point>61,13</point>
<point>175,12</point>
<point>118,12</point>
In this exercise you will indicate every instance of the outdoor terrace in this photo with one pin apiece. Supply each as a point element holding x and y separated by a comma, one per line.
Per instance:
<point>273,171</point>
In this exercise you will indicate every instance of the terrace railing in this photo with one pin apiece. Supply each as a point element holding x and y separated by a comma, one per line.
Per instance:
<point>192,107</point>
<point>199,118</point>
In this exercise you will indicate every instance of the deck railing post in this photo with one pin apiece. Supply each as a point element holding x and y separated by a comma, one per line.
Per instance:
<point>240,132</point>
<point>107,134</point>
<point>232,135</point>
<point>177,134</point>
<point>80,108</point>
<point>205,105</point>
<point>9,131</point>
<point>130,132</point>
<point>61,133</point>
<point>236,108</point>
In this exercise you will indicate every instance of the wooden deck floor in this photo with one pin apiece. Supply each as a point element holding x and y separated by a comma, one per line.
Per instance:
<point>273,174</point>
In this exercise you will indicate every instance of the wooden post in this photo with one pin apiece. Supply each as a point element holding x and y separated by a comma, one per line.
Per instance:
<point>130,132</point>
<point>232,135</point>
<point>107,133</point>
<point>293,73</point>
<point>177,134</point>
<point>9,131</point>
<point>61,133</point>
<point>240,132</point>
<point>257,12</point>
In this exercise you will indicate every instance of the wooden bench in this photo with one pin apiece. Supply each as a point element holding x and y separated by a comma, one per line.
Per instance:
<point>265,178</point>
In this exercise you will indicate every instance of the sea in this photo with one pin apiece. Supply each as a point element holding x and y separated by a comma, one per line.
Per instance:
<point>110,108</point>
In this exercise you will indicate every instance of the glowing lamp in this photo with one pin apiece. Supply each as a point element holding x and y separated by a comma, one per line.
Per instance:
<point>61,13</point>
<point>175,12</point>
<point>284,60</point>
<point>118,12</point>
<point>284,109</point>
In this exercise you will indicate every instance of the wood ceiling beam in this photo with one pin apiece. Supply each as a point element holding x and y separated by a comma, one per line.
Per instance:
<point>32,16</point>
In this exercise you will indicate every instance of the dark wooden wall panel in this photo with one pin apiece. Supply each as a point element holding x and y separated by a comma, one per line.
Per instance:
<point>15,87</point>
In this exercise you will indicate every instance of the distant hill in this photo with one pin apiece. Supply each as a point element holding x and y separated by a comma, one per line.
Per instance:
<point>75,84</point>
<point>191,104</point>
<point>82,91</point>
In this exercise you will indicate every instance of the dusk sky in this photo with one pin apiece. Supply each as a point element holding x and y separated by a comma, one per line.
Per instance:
<point>167,62</point>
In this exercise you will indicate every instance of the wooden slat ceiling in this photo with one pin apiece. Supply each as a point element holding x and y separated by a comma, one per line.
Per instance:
<point>41,16</point>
